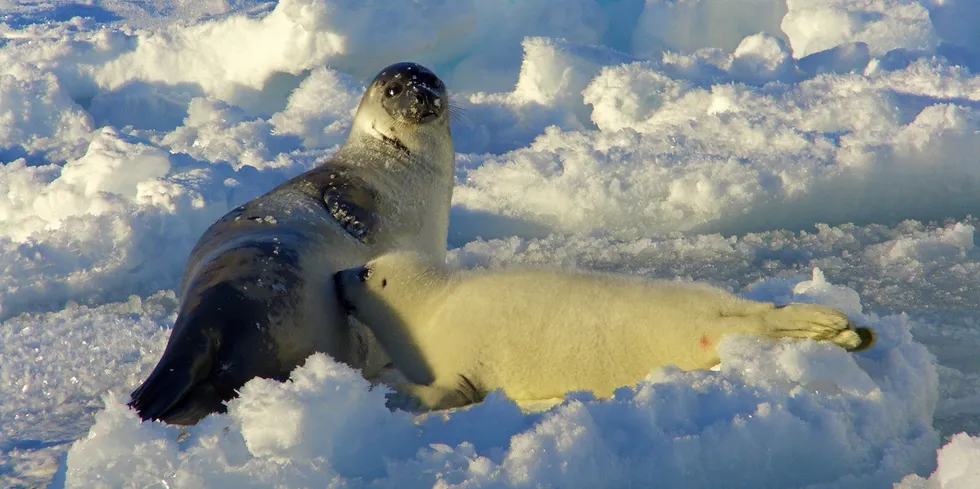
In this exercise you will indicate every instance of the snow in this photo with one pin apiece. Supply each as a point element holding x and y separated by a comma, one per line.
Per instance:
<point>816,25</point>
<point>821,400</point>
<point>958,466</point>
<point>807,150</point>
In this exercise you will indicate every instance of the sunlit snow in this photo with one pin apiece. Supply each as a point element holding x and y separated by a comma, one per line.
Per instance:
<point>808,150</point>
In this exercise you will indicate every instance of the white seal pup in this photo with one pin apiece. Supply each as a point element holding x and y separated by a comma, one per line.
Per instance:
<point>537,334</point>
<point>257,296</point>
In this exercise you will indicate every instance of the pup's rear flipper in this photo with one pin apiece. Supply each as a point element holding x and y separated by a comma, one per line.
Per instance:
<point>866,338</point>
<point>854,339</point>
<point>817,322</point>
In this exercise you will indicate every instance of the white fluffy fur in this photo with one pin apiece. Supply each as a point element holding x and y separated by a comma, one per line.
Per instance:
<point>537,334</point>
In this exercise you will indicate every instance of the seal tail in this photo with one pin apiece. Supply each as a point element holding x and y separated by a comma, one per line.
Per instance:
<point>177,391</point>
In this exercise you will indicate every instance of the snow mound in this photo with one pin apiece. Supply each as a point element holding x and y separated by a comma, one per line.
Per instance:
<point>689,25</point>
<point>671,155</point>
<point>37,116</point>
<point>959,466</point>
<point>816,25</point>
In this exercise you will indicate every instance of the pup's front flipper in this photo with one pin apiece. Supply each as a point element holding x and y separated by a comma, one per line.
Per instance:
<point>421,398</point>
<point>817,322</point>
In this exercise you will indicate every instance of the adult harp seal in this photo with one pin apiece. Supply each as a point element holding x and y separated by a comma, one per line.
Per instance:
<point>258,297</point>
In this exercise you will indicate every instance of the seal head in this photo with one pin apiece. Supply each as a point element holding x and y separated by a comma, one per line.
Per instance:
<point>411,93</point>
<point>402,96</point>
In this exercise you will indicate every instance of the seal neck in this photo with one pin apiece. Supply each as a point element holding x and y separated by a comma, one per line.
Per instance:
<point>417,188</point>
<point>365,147</point>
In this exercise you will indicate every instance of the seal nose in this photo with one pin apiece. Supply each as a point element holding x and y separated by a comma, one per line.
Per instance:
<point>425,103</point>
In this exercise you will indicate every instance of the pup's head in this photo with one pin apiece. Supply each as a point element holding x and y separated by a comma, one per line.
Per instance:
<point>397,282</point>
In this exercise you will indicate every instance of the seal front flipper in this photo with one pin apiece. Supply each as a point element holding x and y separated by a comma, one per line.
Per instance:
<point>418,397</point>
<point>350,202</point>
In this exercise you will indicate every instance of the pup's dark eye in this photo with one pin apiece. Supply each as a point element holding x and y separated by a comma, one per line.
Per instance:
<point>384,283</point>
<point>393,90</point>
<point>364,275</point>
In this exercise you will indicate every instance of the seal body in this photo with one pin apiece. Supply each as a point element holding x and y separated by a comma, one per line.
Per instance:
<point>537,334</point>
<point>257,296</point>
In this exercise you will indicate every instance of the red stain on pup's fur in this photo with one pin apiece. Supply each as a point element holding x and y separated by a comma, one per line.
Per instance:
<point>705,342</point>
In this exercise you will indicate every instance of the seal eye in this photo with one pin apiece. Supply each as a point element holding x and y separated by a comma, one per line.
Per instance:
<point>384,283</point>
<point>364,274</point>
<point>393,90</point>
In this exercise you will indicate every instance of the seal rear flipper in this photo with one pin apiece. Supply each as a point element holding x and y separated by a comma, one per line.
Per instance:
<point>185,364</point>
<point>204,399</point>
